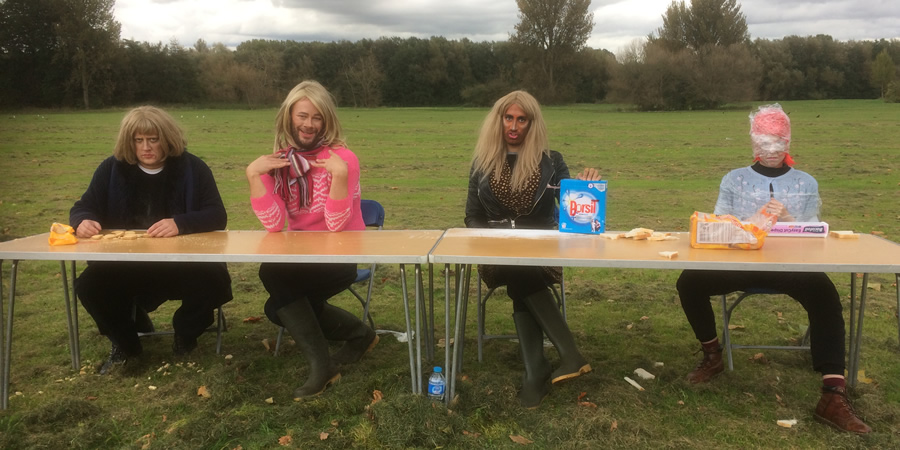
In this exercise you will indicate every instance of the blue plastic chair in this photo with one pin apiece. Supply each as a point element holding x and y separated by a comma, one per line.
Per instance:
<point>373,217</point>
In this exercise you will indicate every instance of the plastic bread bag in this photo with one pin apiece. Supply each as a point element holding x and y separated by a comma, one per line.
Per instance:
<point>62,234</point>
<point>727,232</point>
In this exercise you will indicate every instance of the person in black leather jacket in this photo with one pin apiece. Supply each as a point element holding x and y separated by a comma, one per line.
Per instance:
<point>514,183</point>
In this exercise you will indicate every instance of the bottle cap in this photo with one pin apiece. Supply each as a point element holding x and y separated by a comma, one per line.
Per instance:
<point>437,369</point>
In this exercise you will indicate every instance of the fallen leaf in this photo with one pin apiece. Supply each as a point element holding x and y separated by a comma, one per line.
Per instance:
<point>334,423</point>
<point>614,425</point>
<point>203,392</point>
<point>681,402</point>
<point>252,319</point>
<point>91,398</point>
<point>377,396</point>
<point>588,404</point>
<point>270,401</point>
<point>629,326</point>
<point>284,441</point>
<point>164,418</point>
<point>760,358</point>
<point>474,435</point>
<point>520,440</point>
<point>735,327</point>
<point>778,398</point>
<point>645,317</point>
<point>265,343</point>
<point>152,388</point>
<point>581,396</point>
<point>323,435</point>
<point>861,376</point>
<point>875,286</point>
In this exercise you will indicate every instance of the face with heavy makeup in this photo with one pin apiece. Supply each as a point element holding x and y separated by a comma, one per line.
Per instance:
<point>308,123</point>
<point>515,127</point>
<point>149,150</point>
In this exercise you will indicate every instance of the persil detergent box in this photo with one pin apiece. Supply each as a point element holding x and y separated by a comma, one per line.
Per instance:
<point>582,206</point>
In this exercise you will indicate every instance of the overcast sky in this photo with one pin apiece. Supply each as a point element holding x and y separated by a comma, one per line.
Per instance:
<point>616,22</point>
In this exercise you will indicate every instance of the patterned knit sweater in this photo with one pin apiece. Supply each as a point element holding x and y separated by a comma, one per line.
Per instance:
<point>323,213</point>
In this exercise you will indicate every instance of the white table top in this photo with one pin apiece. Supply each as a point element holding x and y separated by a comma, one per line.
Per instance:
<point>868,253</point>
<point>364,247</point>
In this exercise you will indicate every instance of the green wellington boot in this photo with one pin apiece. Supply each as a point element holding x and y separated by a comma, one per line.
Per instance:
<point>535,381</point>
<point>300,320</point>
<point>340,325</point>
<point>543,309</point>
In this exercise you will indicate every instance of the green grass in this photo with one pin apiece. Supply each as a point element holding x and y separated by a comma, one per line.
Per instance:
<point>660,166</point>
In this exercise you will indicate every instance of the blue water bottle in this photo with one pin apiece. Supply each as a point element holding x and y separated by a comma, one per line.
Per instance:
<point>436,384</point>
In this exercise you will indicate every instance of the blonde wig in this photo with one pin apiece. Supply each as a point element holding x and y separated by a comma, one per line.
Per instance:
<point>332,135</point>
<point>148,120</point>
<point>491,149</point>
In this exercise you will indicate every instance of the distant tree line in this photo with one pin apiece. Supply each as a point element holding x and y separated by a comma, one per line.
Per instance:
<point>68,53</point>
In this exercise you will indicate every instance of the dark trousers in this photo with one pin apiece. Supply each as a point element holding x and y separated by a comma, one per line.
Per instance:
<point>109,290</point>
<point>312,282</point>
<point>814,291</point>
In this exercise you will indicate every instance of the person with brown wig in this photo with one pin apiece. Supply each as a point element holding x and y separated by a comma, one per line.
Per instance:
<point>514,183</point>
<point>311,182</point>
<point>792,195</point>
<point>150,183</point>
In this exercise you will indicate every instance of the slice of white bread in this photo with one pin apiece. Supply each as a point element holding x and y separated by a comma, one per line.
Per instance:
<point>668,255</point>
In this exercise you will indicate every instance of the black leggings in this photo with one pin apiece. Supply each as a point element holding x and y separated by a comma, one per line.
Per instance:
<point>110,289</point>
<point>313,282</point>
<point>814,291</point>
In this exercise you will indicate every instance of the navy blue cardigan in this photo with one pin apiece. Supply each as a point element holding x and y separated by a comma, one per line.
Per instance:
<point>191,196</point>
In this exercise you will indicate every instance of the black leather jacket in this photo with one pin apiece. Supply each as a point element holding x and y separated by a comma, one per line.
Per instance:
<point>483,210</point>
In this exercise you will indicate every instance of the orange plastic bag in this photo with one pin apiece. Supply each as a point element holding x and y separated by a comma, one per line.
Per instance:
<point>727,232</point>
<point>62,234</point>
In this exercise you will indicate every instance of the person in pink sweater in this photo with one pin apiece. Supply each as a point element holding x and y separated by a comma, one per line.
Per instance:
<point>310,181</point>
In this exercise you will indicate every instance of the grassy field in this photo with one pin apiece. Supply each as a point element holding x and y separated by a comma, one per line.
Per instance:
<point>660,166</point>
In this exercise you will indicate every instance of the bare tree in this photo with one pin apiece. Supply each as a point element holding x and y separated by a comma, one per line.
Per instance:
<point>554,30</point>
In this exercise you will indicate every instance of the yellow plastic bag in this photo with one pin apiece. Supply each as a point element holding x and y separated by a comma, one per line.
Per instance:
<point>62,234</point>
<point>727,232</point>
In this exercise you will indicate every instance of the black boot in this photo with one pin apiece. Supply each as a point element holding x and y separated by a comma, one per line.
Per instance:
<point>119,354</point>
<point>340,325</point>
<point>300,320</point>
<point>535,384</point>
<point>571,364</point>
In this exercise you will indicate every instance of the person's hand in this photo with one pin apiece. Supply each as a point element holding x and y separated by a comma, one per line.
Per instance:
<point>779,210</point>
<point>334,165</point>
<point>589,174</point>
<point>88,228</point>
<point>265,164</point>
<point>163,228</point>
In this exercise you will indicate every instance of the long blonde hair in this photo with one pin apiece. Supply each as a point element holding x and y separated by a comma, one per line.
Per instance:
<point>148,120</point>
<point>311,90</point>
<point>491,149</point>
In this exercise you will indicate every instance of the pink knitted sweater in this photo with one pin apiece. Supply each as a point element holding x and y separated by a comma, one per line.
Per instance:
<point>323,213</point>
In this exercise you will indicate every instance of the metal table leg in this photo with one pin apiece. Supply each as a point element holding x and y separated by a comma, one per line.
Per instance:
<point>70,321</point>
<point>412,367</point>
<point>7,336</point>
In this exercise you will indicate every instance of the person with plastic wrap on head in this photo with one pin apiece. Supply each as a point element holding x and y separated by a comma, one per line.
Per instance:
<point>772,183</point>
<point>514,183</point>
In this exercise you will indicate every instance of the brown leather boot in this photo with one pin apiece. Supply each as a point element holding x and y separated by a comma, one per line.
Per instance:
<point>710,366</point>
<point>834,409</point>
